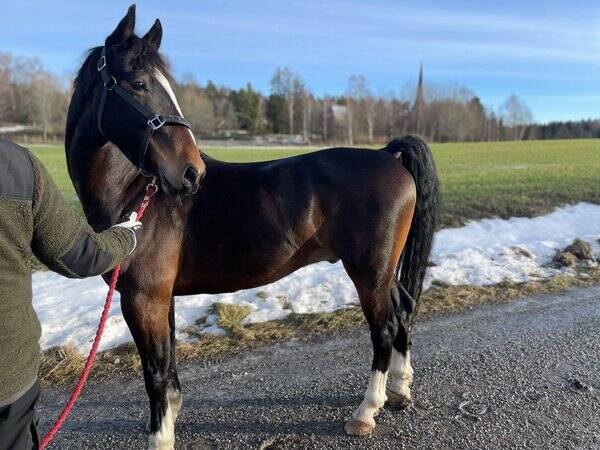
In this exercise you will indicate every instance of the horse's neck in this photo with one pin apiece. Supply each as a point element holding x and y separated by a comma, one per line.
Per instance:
<point>106,183</point>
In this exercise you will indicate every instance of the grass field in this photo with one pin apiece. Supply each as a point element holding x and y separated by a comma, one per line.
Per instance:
<point>478,179</point>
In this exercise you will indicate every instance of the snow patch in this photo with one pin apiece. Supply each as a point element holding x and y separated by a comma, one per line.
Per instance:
<point>489,251</point>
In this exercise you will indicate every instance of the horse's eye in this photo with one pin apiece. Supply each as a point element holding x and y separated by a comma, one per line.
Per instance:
<point>138,85</point>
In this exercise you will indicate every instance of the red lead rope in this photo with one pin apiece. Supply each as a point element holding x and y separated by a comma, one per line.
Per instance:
<point>150,191</point>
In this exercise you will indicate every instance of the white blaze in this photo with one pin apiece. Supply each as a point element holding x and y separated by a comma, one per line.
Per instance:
<point>167,87</point>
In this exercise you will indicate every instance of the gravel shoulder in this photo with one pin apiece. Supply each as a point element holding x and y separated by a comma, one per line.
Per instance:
<point>522,375</point>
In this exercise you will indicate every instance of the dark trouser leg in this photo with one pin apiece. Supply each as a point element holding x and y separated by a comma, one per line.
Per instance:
<point>18,422</point>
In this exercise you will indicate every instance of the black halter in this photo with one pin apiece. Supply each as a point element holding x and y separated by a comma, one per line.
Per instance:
<point>152,120</point>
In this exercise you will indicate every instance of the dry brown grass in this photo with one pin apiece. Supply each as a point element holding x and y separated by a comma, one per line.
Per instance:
<point>231,316</point>
<point>62,365</point>
<point>445,299</point>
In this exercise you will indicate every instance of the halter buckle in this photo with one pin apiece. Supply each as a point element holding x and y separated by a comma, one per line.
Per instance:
<point>156,122</point>
<point>101,63</point>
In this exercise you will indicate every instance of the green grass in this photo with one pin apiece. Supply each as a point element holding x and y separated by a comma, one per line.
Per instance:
<point>516,178</point>
<point>53,157</point>
<point>478,179</point>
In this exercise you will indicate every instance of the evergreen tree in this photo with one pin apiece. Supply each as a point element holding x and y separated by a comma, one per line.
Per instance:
<point>247,104</point>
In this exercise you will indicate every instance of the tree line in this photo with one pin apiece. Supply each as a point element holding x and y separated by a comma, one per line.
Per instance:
<point>33,96</point>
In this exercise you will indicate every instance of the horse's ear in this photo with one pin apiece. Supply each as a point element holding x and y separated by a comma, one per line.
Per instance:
<point>124,29</point>
<point>154,35</point>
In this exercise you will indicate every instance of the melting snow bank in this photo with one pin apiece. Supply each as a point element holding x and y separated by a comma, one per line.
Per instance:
<point>483,252</point>
<point>492,250</point>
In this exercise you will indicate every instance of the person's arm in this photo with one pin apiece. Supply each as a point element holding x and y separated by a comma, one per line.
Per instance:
<point>64,242</point>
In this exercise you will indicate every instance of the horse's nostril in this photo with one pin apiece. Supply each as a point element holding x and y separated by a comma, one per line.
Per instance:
<point>190,177</point>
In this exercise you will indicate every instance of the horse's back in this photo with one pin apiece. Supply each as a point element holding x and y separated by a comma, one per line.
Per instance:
<point>337,167</point>
<point>336,180</point>
<point>350,179</point>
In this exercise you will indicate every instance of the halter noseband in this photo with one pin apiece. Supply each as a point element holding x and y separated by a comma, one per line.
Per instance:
<point>152,120</point>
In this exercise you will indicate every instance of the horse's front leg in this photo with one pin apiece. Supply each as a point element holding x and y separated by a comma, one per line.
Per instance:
<point>173,388</point>
<point>151,321</point>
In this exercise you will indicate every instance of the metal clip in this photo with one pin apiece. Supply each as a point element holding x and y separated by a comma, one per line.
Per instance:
<point>101,63</point>
<point>156,122</point>
<point>152,187</point>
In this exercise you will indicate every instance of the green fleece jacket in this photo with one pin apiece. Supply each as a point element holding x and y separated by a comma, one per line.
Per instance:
<point>35,220</point>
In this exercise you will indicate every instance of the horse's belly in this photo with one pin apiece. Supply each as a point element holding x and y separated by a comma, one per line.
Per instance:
<point>223,278</point>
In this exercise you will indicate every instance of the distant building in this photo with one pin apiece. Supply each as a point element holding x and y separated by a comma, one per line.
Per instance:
<point>338,112</point>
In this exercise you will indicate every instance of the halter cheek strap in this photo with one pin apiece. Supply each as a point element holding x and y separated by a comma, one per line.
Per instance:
<point>152,121</point>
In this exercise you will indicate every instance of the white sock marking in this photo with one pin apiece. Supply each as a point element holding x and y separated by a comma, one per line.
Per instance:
<point>401,373</point>
<point>164,438</point>
<point>374,398</point>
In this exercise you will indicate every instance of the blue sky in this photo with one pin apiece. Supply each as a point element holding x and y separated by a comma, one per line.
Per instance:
<point>547,52</point>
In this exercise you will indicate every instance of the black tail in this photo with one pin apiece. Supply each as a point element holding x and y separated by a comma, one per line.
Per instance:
<point>417,158</point>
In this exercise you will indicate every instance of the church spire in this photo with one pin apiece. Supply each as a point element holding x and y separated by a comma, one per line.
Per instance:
<point>419,105</point>
<point>420,97</point>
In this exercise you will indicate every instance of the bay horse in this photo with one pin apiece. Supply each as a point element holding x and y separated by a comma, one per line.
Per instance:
<point>249,224</point>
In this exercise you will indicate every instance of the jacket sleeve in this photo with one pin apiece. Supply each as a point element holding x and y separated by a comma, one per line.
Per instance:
<point>63,241</point>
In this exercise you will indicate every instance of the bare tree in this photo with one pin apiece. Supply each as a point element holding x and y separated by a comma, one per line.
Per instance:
<point>6,93</point>
<point>281,84</point>
<point>349,121</point>
<point>47,103</point>
<point>359,93</point>
<point>196,106</point>
<point>516,114</point>
<point>325,102</point>
<point>306,116</point>
<point>297,98</point>
<point>260,110</point>
<point>288,85</point>
<point>370,110</point>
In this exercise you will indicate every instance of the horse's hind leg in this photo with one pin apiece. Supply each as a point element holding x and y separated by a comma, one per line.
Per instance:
<point>147,315</point>
<point>375,300</point>
<point>401,371</point>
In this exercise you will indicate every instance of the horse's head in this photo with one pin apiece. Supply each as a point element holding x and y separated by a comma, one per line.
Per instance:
<point>136,108</point>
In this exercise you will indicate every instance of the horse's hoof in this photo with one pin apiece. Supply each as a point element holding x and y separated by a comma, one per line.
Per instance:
<point>154,443</point>
<point>355,427</point>
<point>396,400</point>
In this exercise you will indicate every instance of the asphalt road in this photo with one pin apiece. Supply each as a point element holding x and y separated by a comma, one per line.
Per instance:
<point>521,375</point>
